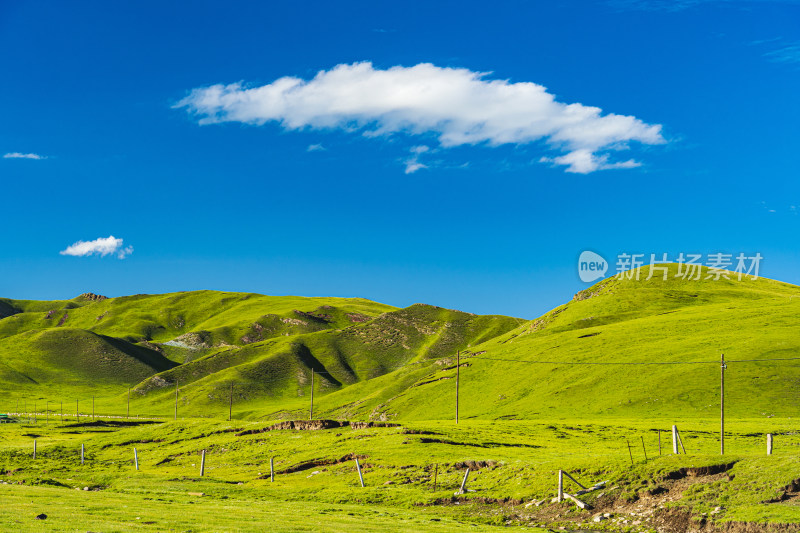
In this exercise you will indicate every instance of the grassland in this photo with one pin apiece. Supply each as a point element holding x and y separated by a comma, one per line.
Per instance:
<point>317,487</point>
<point>569,390</point>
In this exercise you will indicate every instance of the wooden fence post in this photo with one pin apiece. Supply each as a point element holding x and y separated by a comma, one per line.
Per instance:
<point>271,469</point>
<point>360,475</point>
<point>674,439</point>
<point>83,451</point>
<point>560,486</point>
<point>463,488</point>
<point>769,443</point>
<point>629,450</point>
<point>203,464</point>
<point>680,440</point>
<point>34,448</point>
<point>136,458</point>
<point>435,476</point>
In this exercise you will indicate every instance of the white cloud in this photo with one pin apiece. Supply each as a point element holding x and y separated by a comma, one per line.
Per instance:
<point>412,163</point>
<point>315,148</point>
<point>102,247</point>
<point>458,106</point>
<point>18,155</point>
<point>584,161</point>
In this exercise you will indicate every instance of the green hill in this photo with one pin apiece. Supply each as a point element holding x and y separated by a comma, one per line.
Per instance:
<point>577,347</point>
<point>206,341</point>
<point>621,348</point>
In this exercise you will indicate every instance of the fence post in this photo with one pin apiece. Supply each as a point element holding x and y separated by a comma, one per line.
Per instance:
<point>644,450</point>
<point>659,442</point>
<point>34,448</point>
<point>435,476</point>
<point>674,439</point>
<point>629,449</point>
<point>360,475</point>
<point>83,451</point>
<point>203,464</point>
<point>271,469</point>
<point>463,488</point>
<point>560,486</point>
<point>769,443</point>
<point>136,458</point>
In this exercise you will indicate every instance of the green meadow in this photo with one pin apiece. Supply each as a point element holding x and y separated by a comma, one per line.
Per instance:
<point>589,388</point>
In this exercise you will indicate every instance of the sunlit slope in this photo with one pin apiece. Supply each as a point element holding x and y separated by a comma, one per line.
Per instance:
<point>275,375</point>
<point>66,359</point>
<point>623,321</point>
<point>89,346</point>
<point>225,317</point>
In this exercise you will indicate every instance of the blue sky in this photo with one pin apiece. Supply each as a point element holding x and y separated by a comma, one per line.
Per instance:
<point>355,181</point>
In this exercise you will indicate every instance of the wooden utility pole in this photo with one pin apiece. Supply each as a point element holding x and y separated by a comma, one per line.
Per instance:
<point>722,406</point>
<point>311,414</point>
<point>230,404</point>
<point>458,375</point>
<point>176,399</point>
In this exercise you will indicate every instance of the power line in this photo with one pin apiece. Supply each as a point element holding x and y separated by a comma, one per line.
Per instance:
<point>630,363</point>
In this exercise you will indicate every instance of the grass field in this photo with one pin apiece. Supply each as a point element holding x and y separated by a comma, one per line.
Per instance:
<point>316,480</point>
<point>570,390</point>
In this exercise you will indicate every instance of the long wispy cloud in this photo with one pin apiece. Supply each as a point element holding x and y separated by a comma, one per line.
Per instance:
<point>103,246</point>
<point>455,105</point>
<point>786,54</point>
<point>19,155</point>
<point>680,5</point>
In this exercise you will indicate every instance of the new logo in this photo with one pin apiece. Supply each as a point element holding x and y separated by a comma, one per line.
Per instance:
<point>591,266</point>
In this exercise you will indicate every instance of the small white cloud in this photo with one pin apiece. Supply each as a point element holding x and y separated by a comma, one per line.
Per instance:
<point>315,148</point>
<point>412,163</point>
<point>18,155</point>
<point>102,247</point>
<point>584,162</point>
<point>455,105</point>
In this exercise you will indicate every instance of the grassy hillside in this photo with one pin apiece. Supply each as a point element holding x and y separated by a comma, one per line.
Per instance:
<point>619,321</point>
<point>206,341</point>
<point>593,356</point>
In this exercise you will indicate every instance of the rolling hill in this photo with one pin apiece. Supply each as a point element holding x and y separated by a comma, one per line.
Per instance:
<point>566,363</point>
<point>207,342</point>
<point>623,347</point>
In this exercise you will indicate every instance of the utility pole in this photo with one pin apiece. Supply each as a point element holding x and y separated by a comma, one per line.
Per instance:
<point>176,399</point>
<point>458,375</point>
<point>311,416</point>
<point>230,404</point>
<point>722,406</point>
